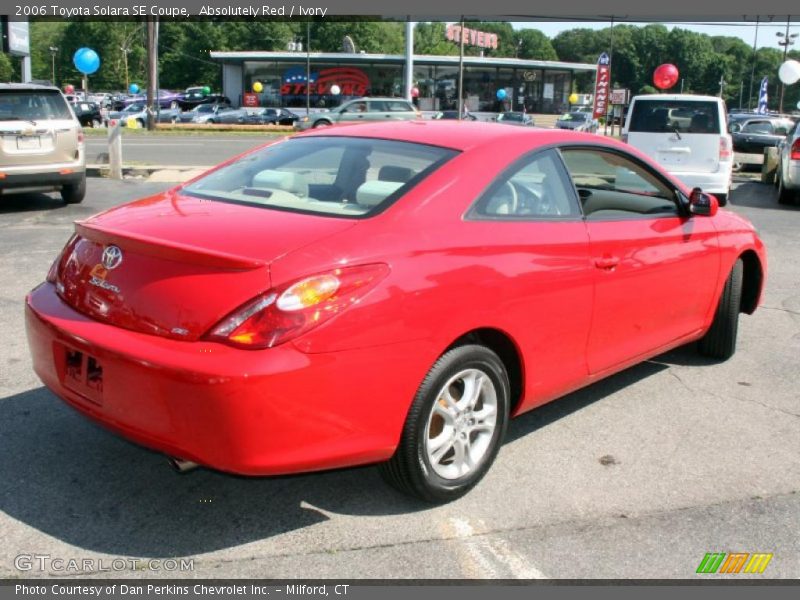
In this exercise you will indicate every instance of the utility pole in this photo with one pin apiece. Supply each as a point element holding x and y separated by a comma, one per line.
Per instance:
<point>308,68</point>
<point>53,52</point>
<point>152,72</point>
<point>611,77</point>
<point>785,41</point>
<point>722,84</point>
<point>753,68</point>
<point>461,70</point>
<point>125,52</point>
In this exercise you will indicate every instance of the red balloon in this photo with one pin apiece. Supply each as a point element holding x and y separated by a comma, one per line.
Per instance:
<point>665,76</point>
<point>414,92</point>
<point>69,89</point>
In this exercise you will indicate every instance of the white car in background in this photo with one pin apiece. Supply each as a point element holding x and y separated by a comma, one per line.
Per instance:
<point>687,135</point>
<point>787,177</point>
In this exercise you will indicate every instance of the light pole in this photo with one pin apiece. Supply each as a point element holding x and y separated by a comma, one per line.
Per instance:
<point>53,52</point>
<point>785,41</point>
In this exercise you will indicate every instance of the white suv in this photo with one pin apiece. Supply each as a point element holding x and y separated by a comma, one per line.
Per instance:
<point>687,135</point>
<point>41,142</point>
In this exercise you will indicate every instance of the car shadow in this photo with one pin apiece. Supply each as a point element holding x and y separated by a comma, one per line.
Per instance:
<point>29,202</point>
<point>755,194</point>
<point>72,480</point>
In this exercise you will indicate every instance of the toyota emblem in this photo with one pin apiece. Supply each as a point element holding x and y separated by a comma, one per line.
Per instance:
<point>112,257</point>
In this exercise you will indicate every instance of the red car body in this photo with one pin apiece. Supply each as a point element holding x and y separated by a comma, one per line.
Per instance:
<point>565,302</point>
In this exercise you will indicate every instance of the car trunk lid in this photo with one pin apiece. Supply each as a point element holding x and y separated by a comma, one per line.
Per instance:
<point>174,265</point>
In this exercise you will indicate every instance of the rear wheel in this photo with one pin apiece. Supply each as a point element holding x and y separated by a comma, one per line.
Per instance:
<point>722,199</point>
<point>454,428</point>
<point>96,123</point>
<point>720,340</point>
<point>322,124</point>
<point>74,192</point>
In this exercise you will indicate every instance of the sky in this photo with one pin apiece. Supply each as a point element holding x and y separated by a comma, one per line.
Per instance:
<point>745,31</point>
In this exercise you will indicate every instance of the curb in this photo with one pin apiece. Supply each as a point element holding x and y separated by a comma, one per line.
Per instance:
<point>155,173</point>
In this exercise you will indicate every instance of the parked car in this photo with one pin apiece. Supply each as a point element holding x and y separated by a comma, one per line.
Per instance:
<point>194,97</point>
<point>166,99</point>
<point>361,110</point>
<point>515,118</point>
<point>214,113</point>
<point>138,112</point>
<point>787,177</point>
<point>577,121</point>
<point>270,116</point>
<point>452,115</point>
<point>461,273</point>
<point>88,114</point>
<point>687,135</point>
<point>753,133</point>
<point>42,142</point>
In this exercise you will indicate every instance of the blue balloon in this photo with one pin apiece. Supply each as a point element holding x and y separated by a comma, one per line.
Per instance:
<point>501,94</point>
<point>133,88</point>
<point>86,60</point>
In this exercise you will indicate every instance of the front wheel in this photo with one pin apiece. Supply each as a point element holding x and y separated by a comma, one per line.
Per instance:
<point>720,340</point>
<point>74,193</point>
<point>322,124</point>
<point>722,199</point>
<point>454,428</point>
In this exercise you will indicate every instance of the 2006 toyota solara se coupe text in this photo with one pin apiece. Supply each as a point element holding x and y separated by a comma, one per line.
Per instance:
<point>384,293</point>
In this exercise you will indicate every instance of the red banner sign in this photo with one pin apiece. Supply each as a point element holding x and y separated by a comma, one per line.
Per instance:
<point>249,99</point>
<point>601,86</point>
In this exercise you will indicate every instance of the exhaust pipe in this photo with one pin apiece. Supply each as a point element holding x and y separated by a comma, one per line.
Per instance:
<point>180,465</point>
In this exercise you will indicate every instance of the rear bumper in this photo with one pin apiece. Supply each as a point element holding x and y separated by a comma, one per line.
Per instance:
<point>31,178</point>
<point>713,183</point>
<point>791,177</point>
<point>248,412</point>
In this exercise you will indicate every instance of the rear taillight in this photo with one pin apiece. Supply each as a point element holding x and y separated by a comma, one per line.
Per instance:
<point>52,273</point>
<point>278,316</point>
<point>725,149</point>
<point>794,153</point>
<point>81,136</point>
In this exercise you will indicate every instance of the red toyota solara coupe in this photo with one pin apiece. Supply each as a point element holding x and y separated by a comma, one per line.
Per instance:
<point>384,293</point>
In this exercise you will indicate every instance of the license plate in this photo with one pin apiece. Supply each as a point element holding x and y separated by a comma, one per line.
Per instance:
<point>29,142</point>
<point>83,374</point>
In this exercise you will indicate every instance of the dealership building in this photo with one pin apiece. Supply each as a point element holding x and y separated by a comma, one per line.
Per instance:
<point>539,86</point>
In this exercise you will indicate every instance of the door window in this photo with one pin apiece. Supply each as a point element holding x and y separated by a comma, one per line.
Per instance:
<point>535,188</point>
<point>611,186</point>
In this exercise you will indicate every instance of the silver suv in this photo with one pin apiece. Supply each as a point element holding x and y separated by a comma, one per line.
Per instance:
<point>42,144</point>
<point>362,110</point>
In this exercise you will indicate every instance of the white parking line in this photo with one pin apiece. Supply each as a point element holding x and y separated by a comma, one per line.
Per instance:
<point>484,558</point>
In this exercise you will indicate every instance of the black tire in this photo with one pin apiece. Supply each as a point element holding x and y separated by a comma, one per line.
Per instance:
<point>141,123</point>
<point>322,123</point>
<point>410,469</point>
<point>75,192</point>
<point>720,340</point>
<point>96,123</point>
<point>784,196</point>
<point>722,199</point>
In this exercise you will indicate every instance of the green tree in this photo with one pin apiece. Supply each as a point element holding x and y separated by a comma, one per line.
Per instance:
<point>381,37</point>
<point>535,45</point>
<point>430,38</point>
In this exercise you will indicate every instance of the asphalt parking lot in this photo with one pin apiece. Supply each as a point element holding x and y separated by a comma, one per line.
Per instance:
<point>638,476</point>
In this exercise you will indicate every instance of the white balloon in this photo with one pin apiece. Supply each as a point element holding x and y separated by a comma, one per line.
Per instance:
<point>335,90</point>
<point>789,72</point>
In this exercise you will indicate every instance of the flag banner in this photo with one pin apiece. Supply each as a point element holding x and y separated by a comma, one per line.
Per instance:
<point>601,86</point>
<point>762,97</point>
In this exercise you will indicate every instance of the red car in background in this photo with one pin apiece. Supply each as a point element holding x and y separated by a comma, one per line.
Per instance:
<point>384,293</point>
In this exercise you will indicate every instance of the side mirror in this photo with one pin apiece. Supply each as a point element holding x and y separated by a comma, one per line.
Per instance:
<point>702,204</point>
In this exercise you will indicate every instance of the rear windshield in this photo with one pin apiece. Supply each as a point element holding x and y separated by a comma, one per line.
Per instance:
<point>510,117</point>
<point>35,105</point>
<point>336,176</point>
<point>683,116</point>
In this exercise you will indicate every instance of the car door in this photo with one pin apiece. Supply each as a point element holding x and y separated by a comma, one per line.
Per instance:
<point>655,268</point>
<point>534,256</point>
<point>354,112</point>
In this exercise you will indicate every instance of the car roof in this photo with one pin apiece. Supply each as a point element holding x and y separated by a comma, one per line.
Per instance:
<point>27,86</point>
<point>673,97</point>
<point>458,135</point>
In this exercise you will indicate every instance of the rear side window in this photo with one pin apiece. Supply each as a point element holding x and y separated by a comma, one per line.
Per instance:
<point>398,107</point>
<point>667,116</point>
<point>336,176</point>
<point>33,105</point>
